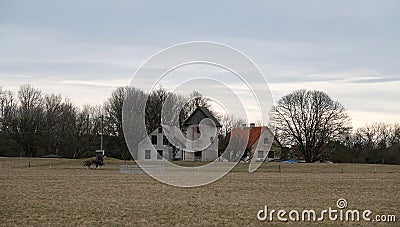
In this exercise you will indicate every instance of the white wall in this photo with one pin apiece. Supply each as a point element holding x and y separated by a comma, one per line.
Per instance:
<point>147,145</point>
<point>210,153</point>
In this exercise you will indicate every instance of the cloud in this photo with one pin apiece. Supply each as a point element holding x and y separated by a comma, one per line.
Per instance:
<point>98,84</point>
<point>346,48</point>
<point>375,80</point>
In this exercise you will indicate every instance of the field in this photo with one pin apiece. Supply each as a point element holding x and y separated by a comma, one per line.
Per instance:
<point>63,192</point>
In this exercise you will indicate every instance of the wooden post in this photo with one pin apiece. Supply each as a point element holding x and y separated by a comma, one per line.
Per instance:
<point>29,165</point>
<point>375,170</point>
<point>279,168</point>
<point>342,169</point>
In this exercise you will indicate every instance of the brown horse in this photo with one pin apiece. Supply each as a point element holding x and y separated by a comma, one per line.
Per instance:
<point>89,163</point>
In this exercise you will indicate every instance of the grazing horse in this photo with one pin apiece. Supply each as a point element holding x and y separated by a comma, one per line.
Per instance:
<point>89,163</point>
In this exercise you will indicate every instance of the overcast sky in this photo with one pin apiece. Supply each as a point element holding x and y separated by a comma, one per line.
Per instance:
<point>85,49</point>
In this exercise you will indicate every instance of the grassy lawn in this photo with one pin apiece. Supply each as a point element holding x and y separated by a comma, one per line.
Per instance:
<point>63,192</point>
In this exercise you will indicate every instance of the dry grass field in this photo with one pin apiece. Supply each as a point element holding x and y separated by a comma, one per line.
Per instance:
<point>62,192</point>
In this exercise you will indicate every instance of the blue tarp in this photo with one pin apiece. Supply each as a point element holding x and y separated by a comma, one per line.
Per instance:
<point>290,161</point>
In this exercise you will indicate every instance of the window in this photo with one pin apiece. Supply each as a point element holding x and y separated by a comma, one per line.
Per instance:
<point>147,154</point>
<point>197,129</point>
<point>211,139</point>
<point>160,130</point>
<point>159,154</point>
<point>197,156</point>
<point>165,140</point>
<point>271,154</point>
<point>260,154</point>
<point>266,140</point>
<point>154,139</point>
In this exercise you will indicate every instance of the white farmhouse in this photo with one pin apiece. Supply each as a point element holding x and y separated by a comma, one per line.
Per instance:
<point>156,148</point>
<point>207,148</point>
<point>261,143</point>
<point>205,144</point>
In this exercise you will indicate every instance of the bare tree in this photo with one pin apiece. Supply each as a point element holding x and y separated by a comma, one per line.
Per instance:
<point>195,100</point>
<point>2,101</point>
<point>113,109</point>
<point>86,129</point>
<point>67,125</point>
<point>159,97</point>
<point>30,118</point>
<point>378,134</point>
<point>377,143</point>
<point>310,119</point>
<point>52,122</point>
<point>395,136</point>
<point>8,114</point>
<point>113,114</point>
<point>229,121</point>
<point>9,122</point>
<point>154,106</point>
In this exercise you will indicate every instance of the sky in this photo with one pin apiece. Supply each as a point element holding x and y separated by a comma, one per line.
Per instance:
<point>85,49</point>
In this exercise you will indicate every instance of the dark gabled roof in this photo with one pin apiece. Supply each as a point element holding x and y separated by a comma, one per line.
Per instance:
<point>199,114</point>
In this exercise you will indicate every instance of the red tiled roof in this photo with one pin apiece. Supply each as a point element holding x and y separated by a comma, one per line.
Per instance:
<point>254,135</point>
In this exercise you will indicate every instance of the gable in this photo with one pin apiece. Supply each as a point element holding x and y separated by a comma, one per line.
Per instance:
<point>199,114</point>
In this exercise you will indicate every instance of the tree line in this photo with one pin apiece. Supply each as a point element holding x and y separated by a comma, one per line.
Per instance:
<point>34,124</point>
<point>309,124</point>
<point>312,125</point>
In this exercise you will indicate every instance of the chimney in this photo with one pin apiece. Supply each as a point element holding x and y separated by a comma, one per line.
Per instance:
<point>243,125</point>
<point>252,125</point>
